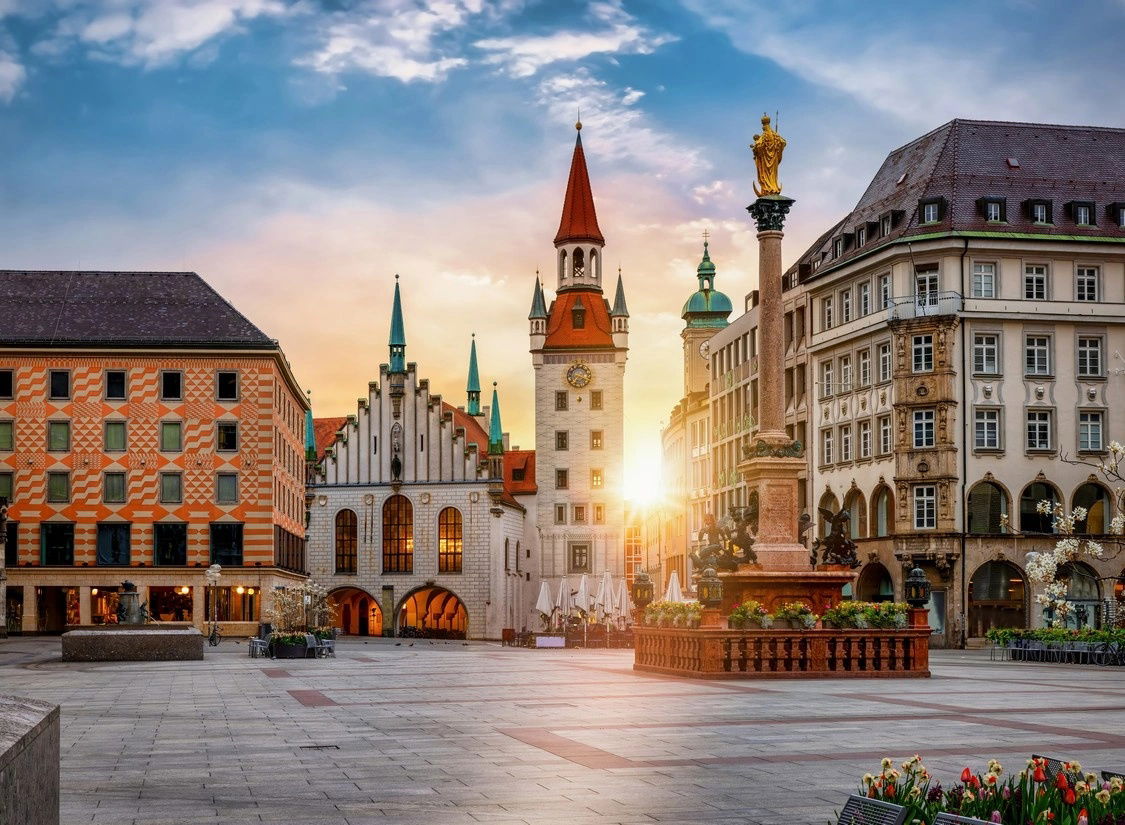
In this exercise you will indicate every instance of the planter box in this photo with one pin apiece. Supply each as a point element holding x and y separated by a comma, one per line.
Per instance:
<point>783,654</point>
<point>298,651</point>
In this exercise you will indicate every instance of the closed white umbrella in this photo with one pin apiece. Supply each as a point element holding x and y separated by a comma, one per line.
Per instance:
<point>674,593</point>
<point>603,602</point>
<point>582,597</point>
<point>563,603</point>
<point>543,604</point>
<point>621,603</point>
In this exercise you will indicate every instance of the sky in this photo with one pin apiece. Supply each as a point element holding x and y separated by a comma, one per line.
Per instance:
<point>299,153</point>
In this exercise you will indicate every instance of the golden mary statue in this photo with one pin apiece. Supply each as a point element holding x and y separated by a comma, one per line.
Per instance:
<point>767,147</point>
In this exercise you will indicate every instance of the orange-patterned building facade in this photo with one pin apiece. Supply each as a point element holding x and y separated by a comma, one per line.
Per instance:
<point>147,430</point>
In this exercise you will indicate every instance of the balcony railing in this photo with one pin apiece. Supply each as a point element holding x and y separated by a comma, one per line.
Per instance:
<point>926,304</point>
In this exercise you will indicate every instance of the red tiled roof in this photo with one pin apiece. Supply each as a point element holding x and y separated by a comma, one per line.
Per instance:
<point>597,330</point>
<point>324,432</point>
<point>579,221</point>
<point>474,432</point>
<point>519,460</point>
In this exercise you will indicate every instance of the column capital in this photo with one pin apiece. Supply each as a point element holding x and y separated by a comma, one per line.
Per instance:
<point>769,212</point>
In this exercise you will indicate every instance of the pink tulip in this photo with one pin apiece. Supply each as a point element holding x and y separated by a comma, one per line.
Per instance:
<point>996,817</point>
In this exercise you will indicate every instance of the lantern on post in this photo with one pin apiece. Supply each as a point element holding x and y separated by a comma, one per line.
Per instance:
<point>916,590</point>
<point>642,590</point>
<point>710,589</point>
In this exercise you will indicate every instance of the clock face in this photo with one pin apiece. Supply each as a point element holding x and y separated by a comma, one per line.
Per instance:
<point>579,375</point>
<point>705,348</point>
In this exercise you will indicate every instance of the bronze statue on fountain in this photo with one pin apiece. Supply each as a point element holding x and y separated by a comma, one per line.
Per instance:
<point>726,544</point>
<point>837,546</point>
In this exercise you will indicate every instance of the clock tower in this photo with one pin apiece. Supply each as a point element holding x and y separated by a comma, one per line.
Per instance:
<point>579,345</point>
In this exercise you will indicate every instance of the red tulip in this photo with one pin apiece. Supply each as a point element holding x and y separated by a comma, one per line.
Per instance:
<point>1060,781</point>
<point>966,775</point>
<point>1070,798</point>
<point>1039,776</point>
<point>974,781</point>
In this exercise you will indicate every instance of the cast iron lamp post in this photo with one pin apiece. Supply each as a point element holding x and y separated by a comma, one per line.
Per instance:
<point>642,595</point>
<point>710,590</point>
<point>916,589</point>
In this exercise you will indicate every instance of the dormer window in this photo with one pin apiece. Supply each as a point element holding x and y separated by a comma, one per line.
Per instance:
<point>1039,211</point>
<point>1115,212</point>
<point>931,210</point>
<point>993,210</point>
<point>885,225</point>
<point>861,236</point>
<point>1082,212</point>
<point>837,247</point>
<point>578,316</point>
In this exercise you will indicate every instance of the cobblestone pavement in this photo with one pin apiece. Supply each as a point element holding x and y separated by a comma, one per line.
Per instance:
<point>453,734</point>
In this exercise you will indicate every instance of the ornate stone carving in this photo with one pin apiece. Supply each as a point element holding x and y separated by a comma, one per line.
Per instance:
<point>761,449</point>
<point>769,212</point>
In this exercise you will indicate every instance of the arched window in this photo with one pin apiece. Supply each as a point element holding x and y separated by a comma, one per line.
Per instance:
<point>1031,520</point>
<point>857,514</point>
<point>996,597</point>
<point>594,263</point>
<point>1095,499</point>
<point>987,503</point>
<point>398,535</point>
<point>827,502</point>
<point>882,512</point>
<point>562,264</point>
<point>579,261</point>
<point>449,540</point>
<point>346,540</point>
<point>1081,582</point>
<point>507,556</point>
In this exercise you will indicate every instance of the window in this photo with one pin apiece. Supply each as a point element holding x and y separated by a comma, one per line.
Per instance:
<point>884,434</point>
<point>226,488</point>
<point>171,488</point>
<point>1121,216</point>
<point>595,399</point>
<point>923,428</point>
<point>846,443</point>
<point>226,436</point>
<point>7,484</point>
<point>578,315</point>
<point>923,352</point>
<point>865,439</point>
<point>994,211</point>
<point>984,280</point>
<point>861,236</point>
<point>561,399</point>
<point>864,367</point>
<point>986,349</point>
<point>114,436</point>
<point>1090,432</point>
<point>845,306</point>
<point>599,514</point>
<point>1082,214</point>
<point>226,544</point>
<point>925,507</point>
<point>1031,520</point>
<point>845,373</point>
<point>931,212</point>
<point>562,440</point>
<point>169,543</point>
<point>1089,356</point>
<point>451,541</point>
<point>926,286</point>
<point>112,544</point>
<point>58,487</point>
<point>1086,284</point>
<point>59,384</point>
<point>826,319</point>
<point>115,385</point>
<point>1039,430</point>
<point>171,385</point>
<point>884,362</point>
<point>1035,282</point>
<point>596,439</point>
<point>113,488</point>
<point>57,543</point>
<point>7,436</point>
<point>58,436</point>
<point>986,429</point>
<point>884,290</point>
<point>884,226</point>
<point>986,507</point>
<point>171,436</point>
<point>579,558</point>
<point>1040,212</point>
<point>7,384</point>
<point>398,535</point>
<point>864,293</point>
<point>597,479</point>
<point>1037,355</point>
<point>226,385</point>
<point>562,479</point>
<point>579,514</point>
<point>825,378</point>
<point>826,446</point>
<point>560,514</point>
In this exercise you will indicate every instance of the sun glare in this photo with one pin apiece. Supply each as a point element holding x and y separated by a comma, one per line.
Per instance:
<point>643,484</point>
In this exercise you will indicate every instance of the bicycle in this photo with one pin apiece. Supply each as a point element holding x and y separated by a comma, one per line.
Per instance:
<point>215,636</point>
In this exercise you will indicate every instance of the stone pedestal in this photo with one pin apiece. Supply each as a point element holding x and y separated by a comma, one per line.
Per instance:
<point>819,589</point>
<point>775,478</point>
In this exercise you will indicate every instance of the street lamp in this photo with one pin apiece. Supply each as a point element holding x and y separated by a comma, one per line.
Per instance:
<point>641,592</point>
<point>710,589</point>
<point>917,588</point>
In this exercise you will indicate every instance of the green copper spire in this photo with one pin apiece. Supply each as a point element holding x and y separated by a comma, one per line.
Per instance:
<point>473,387</point>
<point>495,430</point>
<point>707,307</point>
<point>619,307</point>
<point>538,305</point>
<point>310,434</point>
<point>397,341</point>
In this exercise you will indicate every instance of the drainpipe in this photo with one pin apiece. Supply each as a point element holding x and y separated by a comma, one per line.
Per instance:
<point>964,453</point>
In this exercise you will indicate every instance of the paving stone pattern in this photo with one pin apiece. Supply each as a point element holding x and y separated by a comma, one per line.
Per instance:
<point>453,734</point>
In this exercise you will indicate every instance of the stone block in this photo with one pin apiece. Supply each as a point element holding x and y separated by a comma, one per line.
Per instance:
<point>29,761</point>
<point>140,644</point>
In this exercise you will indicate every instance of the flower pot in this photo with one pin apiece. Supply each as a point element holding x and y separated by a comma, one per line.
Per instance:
<point>736,623</point>
<point>298,651</point>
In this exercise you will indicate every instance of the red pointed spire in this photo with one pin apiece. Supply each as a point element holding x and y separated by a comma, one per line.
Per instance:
<point>579,220</point>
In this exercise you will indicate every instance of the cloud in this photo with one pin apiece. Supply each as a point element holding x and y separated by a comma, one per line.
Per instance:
<point>400,39</point>
<point>12,75</point>
<point>525,55</point>
<point>149,33</point>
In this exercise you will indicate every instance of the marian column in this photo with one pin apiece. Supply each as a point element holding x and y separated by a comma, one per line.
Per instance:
<point>774,461</point>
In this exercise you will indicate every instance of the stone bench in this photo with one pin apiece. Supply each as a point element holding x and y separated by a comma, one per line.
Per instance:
<point>29,761</point>
<point>140,643</point>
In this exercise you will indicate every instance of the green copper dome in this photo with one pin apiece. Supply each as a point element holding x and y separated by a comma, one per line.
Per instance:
<point>707,307</point>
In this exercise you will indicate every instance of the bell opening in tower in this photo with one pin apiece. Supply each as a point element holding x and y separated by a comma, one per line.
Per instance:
<point>579,263</point>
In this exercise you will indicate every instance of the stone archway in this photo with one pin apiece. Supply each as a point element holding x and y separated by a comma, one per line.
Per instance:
<point>433,612</point>
<point>356,611</point>
<point>997,598</point>
<point>874,584</point>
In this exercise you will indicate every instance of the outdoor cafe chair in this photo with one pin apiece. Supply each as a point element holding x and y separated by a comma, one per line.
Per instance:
<point>258,647</point>
<point>860,810</point>
<point>1108,775</point>
<point>326,647</point>
<point>1054,766</point>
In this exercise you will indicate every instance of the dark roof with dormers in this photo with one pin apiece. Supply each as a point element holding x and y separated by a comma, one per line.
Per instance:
<point>121,309</point>
<point>579,221</point>
<point>965,162</point>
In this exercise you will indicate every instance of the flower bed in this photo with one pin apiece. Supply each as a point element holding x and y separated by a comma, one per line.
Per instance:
<point>862,615</point>
<point>1031,796</point>
<point>673,614</point>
